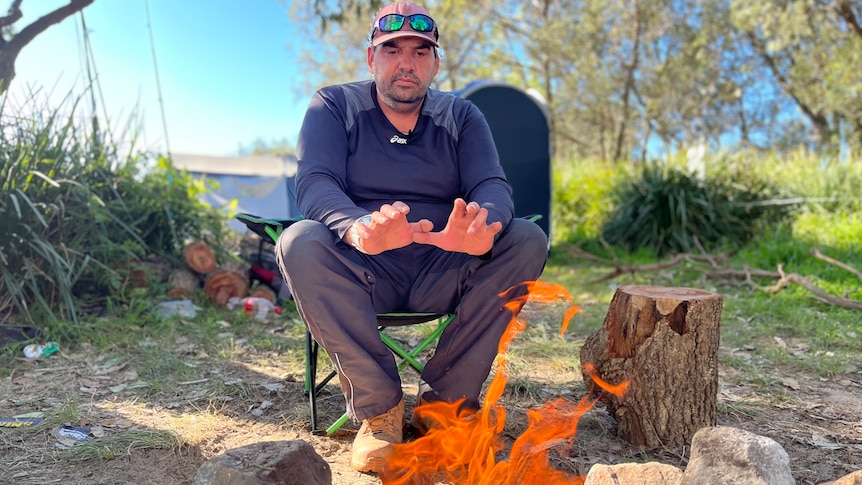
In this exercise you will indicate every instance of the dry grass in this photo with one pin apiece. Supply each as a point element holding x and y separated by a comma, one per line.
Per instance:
<point>175,393</point>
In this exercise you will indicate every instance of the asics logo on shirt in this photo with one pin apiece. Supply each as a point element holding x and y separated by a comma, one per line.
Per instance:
<point>398,139</point>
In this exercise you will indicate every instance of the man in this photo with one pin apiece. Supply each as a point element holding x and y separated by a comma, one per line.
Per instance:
<point>381,165</point>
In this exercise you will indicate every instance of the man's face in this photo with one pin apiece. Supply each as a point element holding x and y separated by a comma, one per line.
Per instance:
<point>403,69</point>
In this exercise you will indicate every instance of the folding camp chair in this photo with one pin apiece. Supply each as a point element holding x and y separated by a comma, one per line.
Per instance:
<point>269,230</point>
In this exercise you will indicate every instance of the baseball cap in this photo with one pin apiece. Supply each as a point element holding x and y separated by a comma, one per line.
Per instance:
<point>405,9</point>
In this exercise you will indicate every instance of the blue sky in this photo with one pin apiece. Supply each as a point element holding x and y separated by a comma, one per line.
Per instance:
<point>226,75</point>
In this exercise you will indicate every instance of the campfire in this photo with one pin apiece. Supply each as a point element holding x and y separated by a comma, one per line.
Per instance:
<point>467,447</point>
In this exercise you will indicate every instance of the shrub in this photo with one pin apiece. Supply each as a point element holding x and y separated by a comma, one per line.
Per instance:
<point>666,209</point>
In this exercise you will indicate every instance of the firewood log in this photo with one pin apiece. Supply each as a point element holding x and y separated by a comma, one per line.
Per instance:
<point>183,284</point>
<point>199,257</point>
<point>226,281</point>
<point>263,291</point>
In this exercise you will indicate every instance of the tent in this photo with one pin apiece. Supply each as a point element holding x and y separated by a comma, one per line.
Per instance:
<point>520,126</point>
<point>260,184</point>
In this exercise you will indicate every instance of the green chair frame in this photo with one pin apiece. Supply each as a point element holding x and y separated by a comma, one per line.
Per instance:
<point>269,230</point>
<point>408,357</point>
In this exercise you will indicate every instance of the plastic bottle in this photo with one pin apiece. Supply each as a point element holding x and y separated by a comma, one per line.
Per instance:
<point>259,307</point>
<point>34,351</point>
<point>183,308</point>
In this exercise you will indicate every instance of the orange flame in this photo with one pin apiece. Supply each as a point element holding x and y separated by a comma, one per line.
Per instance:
<point>465,448</point>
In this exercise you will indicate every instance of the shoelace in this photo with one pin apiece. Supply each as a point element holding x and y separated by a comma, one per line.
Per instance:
<point>382,423</point>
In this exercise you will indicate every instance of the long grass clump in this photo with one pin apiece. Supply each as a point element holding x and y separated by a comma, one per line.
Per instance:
<point>77,214</point>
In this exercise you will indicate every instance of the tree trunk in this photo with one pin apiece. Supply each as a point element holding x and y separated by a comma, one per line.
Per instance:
<point>199,257</point>
<point>664,341</point>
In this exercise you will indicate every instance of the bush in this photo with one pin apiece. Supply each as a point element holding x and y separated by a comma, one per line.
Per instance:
<point>667,209</point>
<point>582,197</point>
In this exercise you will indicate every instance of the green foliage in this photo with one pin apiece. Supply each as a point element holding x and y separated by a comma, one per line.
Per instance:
<point>821,194</point>
<point>670,210</point>
<point>77,215</point>
<point>582,196</point>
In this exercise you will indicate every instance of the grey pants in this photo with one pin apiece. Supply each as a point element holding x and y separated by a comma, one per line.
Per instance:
<point>339,290</point>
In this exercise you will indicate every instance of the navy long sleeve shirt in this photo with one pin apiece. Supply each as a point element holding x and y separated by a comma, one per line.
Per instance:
<point>351,159</point>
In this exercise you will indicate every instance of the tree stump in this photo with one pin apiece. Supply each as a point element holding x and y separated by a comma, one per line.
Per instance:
<point>226,281</point>
<point>664,341</point>
<point>199,257</point>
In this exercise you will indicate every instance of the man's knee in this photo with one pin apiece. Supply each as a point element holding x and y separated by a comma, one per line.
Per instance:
<point>527,238</point>
<point>302,242</point>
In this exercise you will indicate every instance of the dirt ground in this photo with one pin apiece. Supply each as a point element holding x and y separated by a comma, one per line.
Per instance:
<point>235,402</point>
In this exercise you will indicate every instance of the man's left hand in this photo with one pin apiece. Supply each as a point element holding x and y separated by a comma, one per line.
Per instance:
<point>466,231</point>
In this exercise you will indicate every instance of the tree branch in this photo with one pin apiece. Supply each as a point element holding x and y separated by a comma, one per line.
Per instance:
<point>39,25</point>
<point>13,15</point>
<point>631,69</point>
<point>9,50</point>
<point>845,10</point>
<point>816,118</point>
<point>817,254</point>
<point>747,274</point>
<point>838,301</point>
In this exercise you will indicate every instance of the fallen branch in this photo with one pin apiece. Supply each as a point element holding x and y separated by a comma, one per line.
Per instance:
<point>817,254</point>
<point>622,268</point>
<point>637,268</point>
<point>838,301</point>
<point>747,274</point>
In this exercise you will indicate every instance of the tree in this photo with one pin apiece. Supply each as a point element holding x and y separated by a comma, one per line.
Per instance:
<point>280,148</point>
<point>11,43</point>
<point>812,50</point>
<point>630,79</point>
<point>333,38</point>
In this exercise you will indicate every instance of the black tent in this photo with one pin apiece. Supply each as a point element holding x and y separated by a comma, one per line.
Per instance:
<point>520,126</point>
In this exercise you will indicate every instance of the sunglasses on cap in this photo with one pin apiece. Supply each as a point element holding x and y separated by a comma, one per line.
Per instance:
<point>394,22</point>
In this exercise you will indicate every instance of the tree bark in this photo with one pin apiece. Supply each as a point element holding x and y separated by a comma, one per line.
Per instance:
<point>664,341</point>
<point>9,50</point>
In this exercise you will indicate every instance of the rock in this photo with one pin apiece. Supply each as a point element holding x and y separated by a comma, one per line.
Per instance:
<point>634,474</point>
<point>267,463</point>
<point>731,456</point>
<point>854,478</point>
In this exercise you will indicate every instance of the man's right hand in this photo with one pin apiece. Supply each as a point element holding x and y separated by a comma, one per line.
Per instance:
<point>388,229</point>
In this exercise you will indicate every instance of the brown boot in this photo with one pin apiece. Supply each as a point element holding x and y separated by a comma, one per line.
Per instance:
<point>421,425</point>
<point>373,442</point>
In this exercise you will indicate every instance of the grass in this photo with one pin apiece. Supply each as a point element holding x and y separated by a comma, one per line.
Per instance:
<point>199,374</point>
<point>791,328</point>
<point>125,443</point>
<point>202,376</point>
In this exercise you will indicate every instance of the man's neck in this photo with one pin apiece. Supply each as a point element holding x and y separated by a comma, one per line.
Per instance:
<point>404,120</point>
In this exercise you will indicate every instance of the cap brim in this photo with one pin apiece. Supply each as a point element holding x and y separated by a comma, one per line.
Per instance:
<point>386,37</point>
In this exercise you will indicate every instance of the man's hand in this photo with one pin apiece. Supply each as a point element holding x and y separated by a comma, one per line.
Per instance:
<point>387,230</point>
<point>466,231</point>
